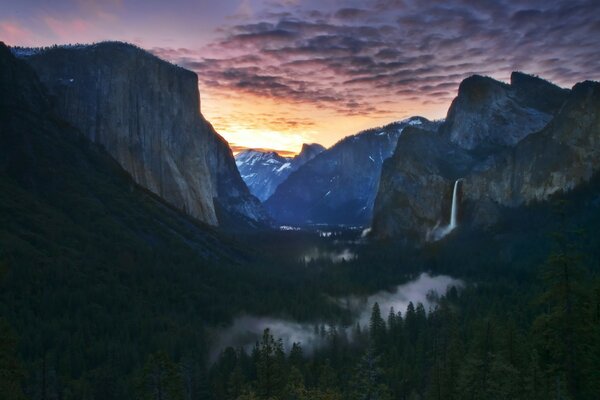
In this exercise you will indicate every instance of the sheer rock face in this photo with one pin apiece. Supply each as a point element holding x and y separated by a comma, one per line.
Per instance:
<point>415,192</point>
<point>487,113</point>
<point>416,184</point>
<point>559,157</point>
<point>146,113</point>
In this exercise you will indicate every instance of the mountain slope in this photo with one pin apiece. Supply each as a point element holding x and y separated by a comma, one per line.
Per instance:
<point>339,185</point>
<point>98,273</point>
<point>264,171</point>
<point>50,171</point>
<point>415,194</point>
<point>146,113</point>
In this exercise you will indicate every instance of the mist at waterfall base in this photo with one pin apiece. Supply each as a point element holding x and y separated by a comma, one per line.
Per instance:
<point>438,232</point>
<point>246,330</point>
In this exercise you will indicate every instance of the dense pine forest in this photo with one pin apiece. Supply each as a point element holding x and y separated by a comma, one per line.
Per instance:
<point>131,322</point>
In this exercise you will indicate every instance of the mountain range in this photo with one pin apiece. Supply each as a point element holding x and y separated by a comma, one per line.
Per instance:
<point>263,171</point>
<point>338,186</point>
<point>500,145</point>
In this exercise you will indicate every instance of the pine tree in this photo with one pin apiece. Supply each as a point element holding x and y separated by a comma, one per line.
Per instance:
<point>11,371</point>
<point>367,381</point>
<point>270,367</point>
<point>236,383</point>
<point>410,322</point>
<point>296,357</point>
<point>295,390</point>
<point>562,328</point>
<point>377,329</point>
<point>160,379</point>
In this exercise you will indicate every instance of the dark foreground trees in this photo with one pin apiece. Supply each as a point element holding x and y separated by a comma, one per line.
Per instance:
<point>474,344</point>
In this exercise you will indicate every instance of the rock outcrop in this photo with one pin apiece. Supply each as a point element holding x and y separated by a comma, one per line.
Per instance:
<point>338,187</point>
<point>558,158</point>
<point>263,171</point>
<point>62,193</point>
<point>505,162</point>
<point>146,113</point>
<point>487,113</point>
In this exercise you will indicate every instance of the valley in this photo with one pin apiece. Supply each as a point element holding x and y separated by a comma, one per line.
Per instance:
<point>424,259</point>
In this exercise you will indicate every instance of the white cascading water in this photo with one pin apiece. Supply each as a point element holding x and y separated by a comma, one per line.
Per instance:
<point>440,232</point>
<point>454,206</point>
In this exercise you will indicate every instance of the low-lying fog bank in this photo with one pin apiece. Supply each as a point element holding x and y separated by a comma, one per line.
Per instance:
<point>425,289</point>
<point>333,256</point>
<point>247,330</point>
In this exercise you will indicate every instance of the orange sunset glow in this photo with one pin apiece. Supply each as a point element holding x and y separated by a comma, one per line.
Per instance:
<point>249,121</point>
<point>279,73</point>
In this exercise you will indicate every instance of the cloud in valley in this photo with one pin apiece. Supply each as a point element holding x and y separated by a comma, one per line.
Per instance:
<point>245,331</point>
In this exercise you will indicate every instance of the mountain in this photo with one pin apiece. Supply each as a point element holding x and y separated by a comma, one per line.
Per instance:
<point>263,171</point>
<point>506,159</point>
<point>146,113</point>
<point>339,185</point>
<point>91,263</point>
<point>487,113</point>
<point>59,189</point>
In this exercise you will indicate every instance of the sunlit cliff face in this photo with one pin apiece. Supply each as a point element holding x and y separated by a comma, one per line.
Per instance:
<point>277,73</point>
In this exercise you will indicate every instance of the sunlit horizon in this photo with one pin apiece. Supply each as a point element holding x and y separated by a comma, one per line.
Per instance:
<point>276,74</point>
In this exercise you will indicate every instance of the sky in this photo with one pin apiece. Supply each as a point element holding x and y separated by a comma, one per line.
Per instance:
<point>278,73</point>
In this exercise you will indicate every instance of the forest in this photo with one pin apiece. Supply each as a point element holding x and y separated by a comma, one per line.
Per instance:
<point>131,321</point>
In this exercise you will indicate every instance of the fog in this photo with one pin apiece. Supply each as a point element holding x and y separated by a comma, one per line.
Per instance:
<point>247,330</point>
<point>334,256</point>
<point>425,289</point>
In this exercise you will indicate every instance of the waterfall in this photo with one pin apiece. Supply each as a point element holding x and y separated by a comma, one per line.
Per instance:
<point>440,232</point>
<point>454,210</point>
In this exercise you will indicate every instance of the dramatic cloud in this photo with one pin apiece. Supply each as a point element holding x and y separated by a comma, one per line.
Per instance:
<point>14,32</point>
<point>386,59</point>
<point>332,67</point>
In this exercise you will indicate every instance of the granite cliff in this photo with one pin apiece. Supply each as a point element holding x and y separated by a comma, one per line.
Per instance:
<point>60,193</point>
<point>543,141</point>
<point>146,113</point>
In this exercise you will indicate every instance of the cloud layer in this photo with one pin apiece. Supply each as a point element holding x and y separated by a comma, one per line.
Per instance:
<point>386,59</point>
<point>275,73</point>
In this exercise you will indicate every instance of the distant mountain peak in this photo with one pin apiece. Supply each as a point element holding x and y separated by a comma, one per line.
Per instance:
<point>311,147</point>
<point>518,78</point>
<point>477,88</point>
<point>338,187</point>
<point>264,170</point>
